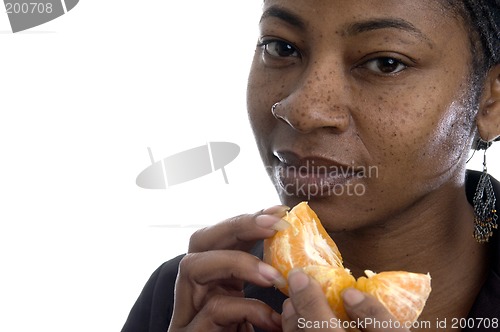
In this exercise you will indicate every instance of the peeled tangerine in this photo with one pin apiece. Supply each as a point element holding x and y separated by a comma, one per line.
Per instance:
<point>307,245</point>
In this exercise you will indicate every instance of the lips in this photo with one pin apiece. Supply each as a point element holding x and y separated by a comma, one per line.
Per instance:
<point>313,175</point>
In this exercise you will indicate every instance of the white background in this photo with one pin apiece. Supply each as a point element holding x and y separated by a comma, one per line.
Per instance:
<point>82,97</point>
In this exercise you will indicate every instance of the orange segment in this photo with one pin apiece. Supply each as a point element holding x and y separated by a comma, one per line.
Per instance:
<point>333,280</point>
<point>403,293</point>
<point>306,244</point>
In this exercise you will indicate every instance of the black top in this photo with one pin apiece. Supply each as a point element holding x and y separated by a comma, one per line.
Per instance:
<point>153,310</point>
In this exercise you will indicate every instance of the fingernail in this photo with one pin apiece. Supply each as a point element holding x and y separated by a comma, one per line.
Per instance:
<point>271,275</point>
<point>353,297</point>
<point>281,225</point>
<point>297,280</point>
<point>288,309</point>
<point>278,210</point>
<point>271,222</point>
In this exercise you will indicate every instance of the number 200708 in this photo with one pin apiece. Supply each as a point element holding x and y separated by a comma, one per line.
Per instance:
<point>28,8</point>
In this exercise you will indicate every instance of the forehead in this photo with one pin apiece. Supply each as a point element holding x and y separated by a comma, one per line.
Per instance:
<point>401,6</point>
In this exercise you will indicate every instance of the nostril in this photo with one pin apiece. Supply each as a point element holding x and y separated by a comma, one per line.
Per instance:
<point>278,113</point>
<point>307,119</point>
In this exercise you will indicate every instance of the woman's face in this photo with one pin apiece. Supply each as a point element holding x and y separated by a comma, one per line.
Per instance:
<point>373,113</point>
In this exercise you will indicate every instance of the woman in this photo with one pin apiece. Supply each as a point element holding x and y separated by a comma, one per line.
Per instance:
<point>391,95</point>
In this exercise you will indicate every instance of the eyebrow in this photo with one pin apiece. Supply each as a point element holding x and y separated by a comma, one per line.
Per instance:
<point>351,29</point>
<point>384,23</point>
<point>284,15</point>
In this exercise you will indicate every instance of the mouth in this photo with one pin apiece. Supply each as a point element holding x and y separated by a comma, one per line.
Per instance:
<point>314,176</point>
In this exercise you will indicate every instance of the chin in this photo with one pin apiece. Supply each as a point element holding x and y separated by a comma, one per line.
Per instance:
<point>337,213</point>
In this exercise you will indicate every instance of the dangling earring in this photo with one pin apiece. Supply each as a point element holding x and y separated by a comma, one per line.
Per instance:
<point>485,217</point>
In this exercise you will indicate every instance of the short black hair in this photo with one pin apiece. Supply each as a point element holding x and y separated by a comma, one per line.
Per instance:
<point>484,18</point>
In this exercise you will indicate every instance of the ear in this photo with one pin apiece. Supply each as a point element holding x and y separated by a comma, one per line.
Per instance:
<point>488,117</point>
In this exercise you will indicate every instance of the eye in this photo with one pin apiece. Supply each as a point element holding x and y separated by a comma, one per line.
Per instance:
<point>385,65</point>
<point>279,48</point>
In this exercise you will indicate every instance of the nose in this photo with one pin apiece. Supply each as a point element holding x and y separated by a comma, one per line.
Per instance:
<point>313,105</point>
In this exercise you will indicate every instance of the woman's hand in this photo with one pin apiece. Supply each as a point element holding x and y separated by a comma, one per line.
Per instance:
<point>209,288</point>
<point>241,232</point>
<point>307,308</point>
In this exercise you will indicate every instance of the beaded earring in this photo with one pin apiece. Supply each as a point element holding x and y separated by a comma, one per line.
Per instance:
<point>485,217</point>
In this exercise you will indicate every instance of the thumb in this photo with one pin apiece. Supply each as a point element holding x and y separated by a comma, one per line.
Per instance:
<point>370,313</point>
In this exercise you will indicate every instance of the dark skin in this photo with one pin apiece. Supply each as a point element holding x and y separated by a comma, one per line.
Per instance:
<point>359,84</point>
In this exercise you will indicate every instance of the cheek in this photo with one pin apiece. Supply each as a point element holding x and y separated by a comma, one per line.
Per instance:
<point>451,134</point>
<point>259,105</point>
<point>261,96</point>
<point>411,127</point>
<point>446,129</point>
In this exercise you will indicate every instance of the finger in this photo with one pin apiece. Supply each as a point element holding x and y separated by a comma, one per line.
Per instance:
<point>241,232</point>
<point>289,317</point>
<point>225,265</point>
<point>246,327</point>
<point>310,304</point>
<point>221,312</point>
<point>200,273</point>
<point>371,314</point>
